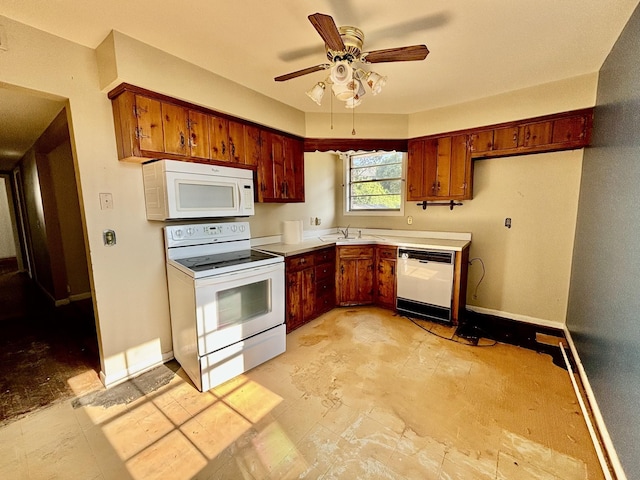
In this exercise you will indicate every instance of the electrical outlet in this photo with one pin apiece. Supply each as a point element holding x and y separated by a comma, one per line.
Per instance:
<point>318,220</point>
<point>409,220</point>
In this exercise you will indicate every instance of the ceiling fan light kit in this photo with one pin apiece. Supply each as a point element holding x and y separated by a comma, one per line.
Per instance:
<point>344,48</point>
<point>317,92</point>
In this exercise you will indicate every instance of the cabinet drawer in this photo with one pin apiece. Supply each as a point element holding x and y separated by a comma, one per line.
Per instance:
<point>326,255</point>
<point>325,287</point>
<point>298,262</point>
<point>387,252</point>
<point>326,270</point>
<point>359,251</point>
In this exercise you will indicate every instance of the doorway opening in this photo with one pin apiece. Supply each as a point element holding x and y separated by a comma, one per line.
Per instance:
<point>48,340</point>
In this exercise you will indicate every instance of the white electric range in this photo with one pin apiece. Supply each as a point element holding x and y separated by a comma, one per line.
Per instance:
<point>226,299</point>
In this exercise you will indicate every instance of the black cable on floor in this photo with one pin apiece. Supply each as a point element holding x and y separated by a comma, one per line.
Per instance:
<point>447,338</point>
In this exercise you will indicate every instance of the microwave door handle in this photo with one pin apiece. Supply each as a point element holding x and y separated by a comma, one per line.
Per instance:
<point>239,198</point>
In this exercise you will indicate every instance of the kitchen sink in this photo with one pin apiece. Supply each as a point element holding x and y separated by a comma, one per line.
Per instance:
<point>340,238</point>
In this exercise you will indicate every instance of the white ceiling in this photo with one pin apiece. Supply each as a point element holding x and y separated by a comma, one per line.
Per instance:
<point>478,48</point>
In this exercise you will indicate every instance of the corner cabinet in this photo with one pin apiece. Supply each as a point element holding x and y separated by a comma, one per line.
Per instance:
<point>280,169</point>
<point>439,168</point>
<point>354,275</point>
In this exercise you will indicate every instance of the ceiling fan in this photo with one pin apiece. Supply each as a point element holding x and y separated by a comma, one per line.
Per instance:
<point>344,52</point>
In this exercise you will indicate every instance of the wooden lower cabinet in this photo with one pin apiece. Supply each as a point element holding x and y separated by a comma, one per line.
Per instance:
<point>354,275</point>
<point>310,286</point>
<point>385,293</point>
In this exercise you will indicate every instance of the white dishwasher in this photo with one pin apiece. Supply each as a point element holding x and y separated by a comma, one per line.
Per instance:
<point>425,283</point>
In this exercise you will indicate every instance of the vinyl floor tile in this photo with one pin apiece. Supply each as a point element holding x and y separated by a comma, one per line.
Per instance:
<point>360,393</point>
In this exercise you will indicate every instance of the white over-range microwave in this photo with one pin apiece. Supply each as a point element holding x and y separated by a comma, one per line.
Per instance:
<point>175,190</point>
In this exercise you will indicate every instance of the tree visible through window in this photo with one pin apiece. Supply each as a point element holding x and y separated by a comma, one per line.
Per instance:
<point>374,182</point>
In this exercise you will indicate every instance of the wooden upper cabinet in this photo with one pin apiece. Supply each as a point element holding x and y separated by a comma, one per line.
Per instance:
<point>252,144</point>
<point>505,139</point>
<point>148,129</point>
<point>219,138</point>
<point>563,131</point>
<point>174,124</point>
<point>535,134</point>
<point>439,168</point>
<point>186,132</point>
<point>570,130</point>
<point>482,141</point>
<point>198,128</point>
<point>236,142</point>
<point>415,170</point>
<point>281,169</point>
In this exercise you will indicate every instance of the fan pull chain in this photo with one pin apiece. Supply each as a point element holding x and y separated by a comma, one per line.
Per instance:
<point>331,110</point>
<point>353,121</point>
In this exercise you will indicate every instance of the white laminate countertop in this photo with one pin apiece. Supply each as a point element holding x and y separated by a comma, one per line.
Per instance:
<point>400,238</point>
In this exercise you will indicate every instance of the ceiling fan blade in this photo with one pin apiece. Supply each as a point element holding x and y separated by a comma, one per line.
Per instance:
<point>328,30</point>
<point>400,54</point>
<point>304,71</point>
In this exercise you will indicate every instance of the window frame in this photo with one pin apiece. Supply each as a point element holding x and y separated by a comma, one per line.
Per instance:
<point>346,186</point>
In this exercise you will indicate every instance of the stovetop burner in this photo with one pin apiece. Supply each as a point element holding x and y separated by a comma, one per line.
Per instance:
<point>220,260</point>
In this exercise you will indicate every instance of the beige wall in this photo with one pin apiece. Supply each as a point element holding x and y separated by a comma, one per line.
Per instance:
<point>527,266</point>
<point>7,241</point>
<point>68,215</point>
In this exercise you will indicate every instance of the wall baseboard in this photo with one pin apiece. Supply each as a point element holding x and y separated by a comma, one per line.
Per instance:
<point>127,374</point>
<point>79,296</point>
<point>514,316</point>
<point>607,443</point>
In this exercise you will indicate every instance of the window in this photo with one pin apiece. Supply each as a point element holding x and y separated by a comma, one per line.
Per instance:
<point>374,183</point>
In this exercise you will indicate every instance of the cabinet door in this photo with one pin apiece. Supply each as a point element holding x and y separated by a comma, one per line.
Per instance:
<point>294,300</point>
<point>415,170</point>
<point>149,132</point>
<point>536,134</point>
<point>198,124</point>
<point>569,130</point>
<point>347,288</point>
<point>482,141</point>
<point>505,138</point>
<point>386,282</point>
<point>266,183</point>
<point>251,145</point>
<point>308,294</point>
<point>364,280</point>
<point>174,124</point>
<point>277,154</point>
<point>219,138</point>
<point>293,170</point>
<point>460,168</point>
<point>443,167</point>
<point>236,142</point>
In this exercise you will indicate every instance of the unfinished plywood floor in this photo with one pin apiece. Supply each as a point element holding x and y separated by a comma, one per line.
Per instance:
<point>359,394</point>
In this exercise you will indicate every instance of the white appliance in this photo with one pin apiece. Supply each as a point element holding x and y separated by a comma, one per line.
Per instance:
<point>226,300</point>
<point>425,283</point>
<point>176,190</point>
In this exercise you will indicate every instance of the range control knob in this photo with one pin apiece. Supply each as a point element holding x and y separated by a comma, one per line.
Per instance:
<point>241,228</point>
<point>190,231</point>
<point>234,228</point>
<point>178,233</point>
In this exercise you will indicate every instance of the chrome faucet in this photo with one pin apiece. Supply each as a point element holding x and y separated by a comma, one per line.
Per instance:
<point>345,232</point>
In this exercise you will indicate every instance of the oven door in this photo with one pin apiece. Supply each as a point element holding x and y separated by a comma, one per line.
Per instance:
<point>235,306</point>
